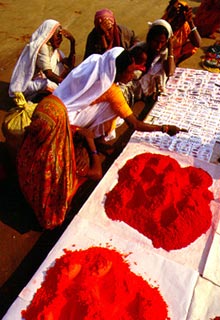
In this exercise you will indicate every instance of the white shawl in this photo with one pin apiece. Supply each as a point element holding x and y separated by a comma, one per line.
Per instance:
<point>164,23</point>
<point>26,64</point>
<point>156,76</point>
<point>89,80</point>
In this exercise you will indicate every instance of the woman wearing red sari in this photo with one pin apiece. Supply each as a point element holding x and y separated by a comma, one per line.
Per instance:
<point>46,164</point>
<point>207,18</point>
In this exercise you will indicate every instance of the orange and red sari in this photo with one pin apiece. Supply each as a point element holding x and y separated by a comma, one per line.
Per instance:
<point>46,163</point>
<point>182,47</point>
<point>207,18</point>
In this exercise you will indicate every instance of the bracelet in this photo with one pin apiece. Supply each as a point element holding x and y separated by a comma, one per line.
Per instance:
<point>66,66</point>
<point>165,128</point>
<point>170,56</point>
<point>94,152</point>
<point>193,29</point>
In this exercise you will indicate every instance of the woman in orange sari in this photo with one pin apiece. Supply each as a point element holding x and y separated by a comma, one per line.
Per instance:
<point>46,165</point>
<point>186,36</point>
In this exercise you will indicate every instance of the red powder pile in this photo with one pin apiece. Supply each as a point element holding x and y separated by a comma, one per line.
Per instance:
<point>168,204</point>
<point>95,284</point>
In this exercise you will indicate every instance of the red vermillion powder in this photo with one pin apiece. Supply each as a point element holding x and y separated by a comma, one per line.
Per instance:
<point>168,204</point>
<point>95,284</point>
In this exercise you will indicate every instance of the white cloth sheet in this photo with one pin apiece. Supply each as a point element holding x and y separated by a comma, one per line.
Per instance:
<point>192,102</point>
<point>170,270</point>
<point>194,255</point>
<point>82,234</point>
<point>205,302</point>
<point>188,295</point>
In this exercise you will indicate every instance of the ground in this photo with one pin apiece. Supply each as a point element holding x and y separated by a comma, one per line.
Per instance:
<point>23,246</point>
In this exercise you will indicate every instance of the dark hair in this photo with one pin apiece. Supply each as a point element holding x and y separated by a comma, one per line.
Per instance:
<point>155,31</point>
<point>123,61</point>
<point>137,52</point>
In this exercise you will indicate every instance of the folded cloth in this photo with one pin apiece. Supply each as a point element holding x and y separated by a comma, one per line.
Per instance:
<point>211,60</point>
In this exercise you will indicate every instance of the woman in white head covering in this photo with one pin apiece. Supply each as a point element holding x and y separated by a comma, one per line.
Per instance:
<point>93,98</point>
<point>85,85</point>
<point>160,62</point>
<point>42,65</point>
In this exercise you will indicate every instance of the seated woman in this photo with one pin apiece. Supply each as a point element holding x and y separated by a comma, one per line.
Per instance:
<point>49,167</point>
<point>42,65</point>
<point>108,34</point>
<point>132,90</point>
<point>207,18</point>
<point>186,36</point>
<point>160,59</point>
<point>93,97</point>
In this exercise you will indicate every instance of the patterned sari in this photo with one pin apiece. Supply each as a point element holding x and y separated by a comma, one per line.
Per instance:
<point>182,47</point>
<point>46,163</point>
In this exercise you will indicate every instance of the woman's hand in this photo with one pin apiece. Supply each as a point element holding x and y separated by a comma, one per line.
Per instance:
<point>91,168</point>
<point>82,162</point>
<point>106,25</point>
<point>188,14</point>
<point>172,130</point>
<point>68,35</point>
<point>69,62</point>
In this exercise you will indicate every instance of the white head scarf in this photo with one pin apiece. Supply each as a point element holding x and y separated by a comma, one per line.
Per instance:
<point>89,80</point>
<point>164,23</point>
<point>25,66</point>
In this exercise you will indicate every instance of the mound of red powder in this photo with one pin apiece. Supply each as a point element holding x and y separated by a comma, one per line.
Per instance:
<point>95,284</point>
<point>168,204</point>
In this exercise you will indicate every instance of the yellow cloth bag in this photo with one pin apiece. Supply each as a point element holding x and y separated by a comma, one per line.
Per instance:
<point>16,120</point>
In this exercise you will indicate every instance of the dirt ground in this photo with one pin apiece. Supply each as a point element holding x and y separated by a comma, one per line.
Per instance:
<point>23,246</point>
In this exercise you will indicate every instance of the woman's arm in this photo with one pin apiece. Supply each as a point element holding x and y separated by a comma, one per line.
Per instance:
<point>194,35</point>
<point>169,63</point>
<point>52,76</point>
<point>138,125</point>
<point>95,167</point>
<point>70,60</point>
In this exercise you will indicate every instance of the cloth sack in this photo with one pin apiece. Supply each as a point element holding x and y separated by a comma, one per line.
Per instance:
<point>15,122</point>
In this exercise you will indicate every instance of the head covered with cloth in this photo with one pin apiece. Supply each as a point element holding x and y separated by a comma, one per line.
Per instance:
<point>92,94</point>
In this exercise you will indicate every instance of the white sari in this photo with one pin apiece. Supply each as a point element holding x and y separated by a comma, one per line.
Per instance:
<point>22,77</point>
<point>84,84</point>
<point>155,79</point>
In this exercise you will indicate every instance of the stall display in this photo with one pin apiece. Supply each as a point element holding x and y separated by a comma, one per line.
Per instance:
<point>178,265</point>
<point>192,102</point>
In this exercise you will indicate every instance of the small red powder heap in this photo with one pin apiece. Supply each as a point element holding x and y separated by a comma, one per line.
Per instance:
<point>95,284</point>
<point>168,204</point>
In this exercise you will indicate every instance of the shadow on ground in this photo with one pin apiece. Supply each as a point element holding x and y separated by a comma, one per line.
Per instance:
<point>5,101</point>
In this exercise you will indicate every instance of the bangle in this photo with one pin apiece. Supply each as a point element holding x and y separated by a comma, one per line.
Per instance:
<point>66,66</point>
<point>165,128</point>
<point>193,29</point>
<point>170,56</point>
<point>94,152</point>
